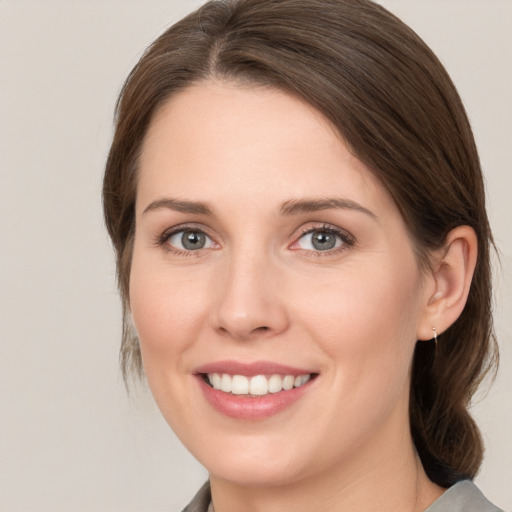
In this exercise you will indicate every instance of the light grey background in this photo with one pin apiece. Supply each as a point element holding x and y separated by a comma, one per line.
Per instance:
<point>70,439</point>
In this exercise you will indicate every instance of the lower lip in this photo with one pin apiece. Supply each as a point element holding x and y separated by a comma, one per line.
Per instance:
<point>251,407</point>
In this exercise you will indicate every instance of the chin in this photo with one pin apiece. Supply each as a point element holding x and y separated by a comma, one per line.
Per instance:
<point>255,460</point>
<point>256,472</point>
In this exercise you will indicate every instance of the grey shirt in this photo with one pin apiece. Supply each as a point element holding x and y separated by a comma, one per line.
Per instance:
<point>464,496</point>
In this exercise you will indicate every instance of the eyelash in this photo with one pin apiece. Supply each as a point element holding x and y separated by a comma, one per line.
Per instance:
<point>346,238</point>
<point>163,240</point>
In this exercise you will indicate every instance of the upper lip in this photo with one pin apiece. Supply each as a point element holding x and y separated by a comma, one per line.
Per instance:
<point>251,369</point>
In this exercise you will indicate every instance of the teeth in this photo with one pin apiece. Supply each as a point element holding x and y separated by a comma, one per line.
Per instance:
<point>215,380</point>
<point>225,383</point>
<point>258,385</point>
<point>275,384</point>
<point>288,382</point>
<point>239,385</point>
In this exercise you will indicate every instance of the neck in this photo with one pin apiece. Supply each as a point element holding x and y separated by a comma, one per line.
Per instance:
<point>390,478</point>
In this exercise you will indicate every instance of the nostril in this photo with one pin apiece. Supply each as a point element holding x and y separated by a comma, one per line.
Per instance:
<point>248,334</point>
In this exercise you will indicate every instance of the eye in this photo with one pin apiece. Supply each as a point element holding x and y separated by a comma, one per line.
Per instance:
<point>323,239</point>
<point>319,240</point>
<point>189,240</point>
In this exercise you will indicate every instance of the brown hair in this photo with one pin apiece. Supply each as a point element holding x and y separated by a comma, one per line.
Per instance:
<point>396,107</point>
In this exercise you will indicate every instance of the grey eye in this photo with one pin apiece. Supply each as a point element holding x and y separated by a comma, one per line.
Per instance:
<point>193,240</point>
<point>190,240</point>
<point>320,240</point>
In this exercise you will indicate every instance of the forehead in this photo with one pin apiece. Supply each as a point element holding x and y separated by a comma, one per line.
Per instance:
<point>221,142</point>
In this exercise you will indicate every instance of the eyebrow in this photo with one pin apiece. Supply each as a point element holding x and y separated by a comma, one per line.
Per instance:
<point>295,207</point>
<point>291,207</point>
<point>179,206</point>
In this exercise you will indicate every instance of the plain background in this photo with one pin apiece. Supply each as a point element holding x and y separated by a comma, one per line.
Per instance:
<point>70,438</point>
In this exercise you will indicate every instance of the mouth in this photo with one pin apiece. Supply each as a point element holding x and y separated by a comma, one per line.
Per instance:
<point>256,385</point>
<point>253,391</point>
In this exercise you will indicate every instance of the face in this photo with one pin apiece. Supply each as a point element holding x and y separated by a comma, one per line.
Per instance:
<point>274,288</point>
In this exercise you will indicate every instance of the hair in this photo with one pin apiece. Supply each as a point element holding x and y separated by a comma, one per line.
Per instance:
<point>395,106</point>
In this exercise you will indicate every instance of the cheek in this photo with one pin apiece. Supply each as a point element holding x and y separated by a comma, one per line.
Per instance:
<point>366,321</point>
<point>382,299</point>
<point>167,310</point>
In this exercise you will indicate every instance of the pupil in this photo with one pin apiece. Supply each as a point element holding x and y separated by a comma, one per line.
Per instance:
<point>323,240</point>
<point>193,240</point>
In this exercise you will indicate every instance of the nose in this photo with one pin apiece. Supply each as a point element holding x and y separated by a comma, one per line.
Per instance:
<point>249,304</point>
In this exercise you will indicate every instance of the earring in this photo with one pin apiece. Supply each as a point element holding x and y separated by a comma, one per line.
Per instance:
<point>435,335</point>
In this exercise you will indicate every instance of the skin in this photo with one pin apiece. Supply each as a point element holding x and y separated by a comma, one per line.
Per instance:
<point>259,290</point>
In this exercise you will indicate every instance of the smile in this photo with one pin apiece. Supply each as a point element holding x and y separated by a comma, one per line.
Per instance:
<point>257,385</point>
<point>254,391</point>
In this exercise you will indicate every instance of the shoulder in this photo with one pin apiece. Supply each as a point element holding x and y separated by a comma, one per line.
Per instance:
<point>201,500</point>
<point>464,496</point>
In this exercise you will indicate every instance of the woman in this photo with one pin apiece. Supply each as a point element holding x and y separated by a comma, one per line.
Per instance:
<point>295,199</point>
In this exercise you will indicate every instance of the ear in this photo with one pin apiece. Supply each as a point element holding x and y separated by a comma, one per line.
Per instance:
<point>450,279</point>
